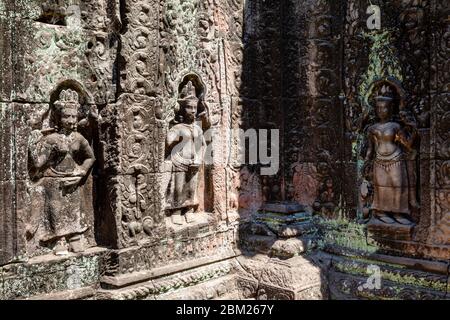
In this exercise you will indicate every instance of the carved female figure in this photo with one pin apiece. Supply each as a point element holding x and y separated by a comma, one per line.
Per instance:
<point>390,146</point>
<point>61,160</point>
<point>185,146</point>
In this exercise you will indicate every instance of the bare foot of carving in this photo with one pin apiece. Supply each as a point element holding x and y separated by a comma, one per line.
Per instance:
<point>190,216</point>
<point>177,218</point>
<point>401,219</point>
<point>60,248</point>
<point>76,244</point>
<point>383,217</point>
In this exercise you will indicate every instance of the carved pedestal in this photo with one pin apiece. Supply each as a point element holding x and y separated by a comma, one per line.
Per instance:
<point>379,230</point>
<point>140,264</point>
<point>213,281</point>
<point>279,229</point>
<point>297,278</point>
<point>285,219</point>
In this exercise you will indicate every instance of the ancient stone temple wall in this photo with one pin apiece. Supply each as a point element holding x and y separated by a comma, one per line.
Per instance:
<point>44,51</point>
<point>405,53</point>
<point>98,202</point>
<point>128,69</point>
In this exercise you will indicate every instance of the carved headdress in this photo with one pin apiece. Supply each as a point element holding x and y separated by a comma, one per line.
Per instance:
<point>67,99</point>
<point>188,93</point>
<point>385,93</point>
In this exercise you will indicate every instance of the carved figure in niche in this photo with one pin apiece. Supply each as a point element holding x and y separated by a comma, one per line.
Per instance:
<point>325,202</point>
<point>391,147</point>
<point>304,180</point>
<point>185,146</point>
<point>251,192</point>
<point>61,159</point>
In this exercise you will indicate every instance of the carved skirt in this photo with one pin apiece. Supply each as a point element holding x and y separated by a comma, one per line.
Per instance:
<point>391,188</point>
<point>62,210</point>
<point>182,191</point>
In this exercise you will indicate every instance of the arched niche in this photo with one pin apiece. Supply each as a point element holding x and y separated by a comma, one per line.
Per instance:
<point>41,192</point>
<point>197,196</point>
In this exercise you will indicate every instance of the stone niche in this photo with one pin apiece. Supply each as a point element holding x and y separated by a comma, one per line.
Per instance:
<point>120,175</point>
<point>96,95</point>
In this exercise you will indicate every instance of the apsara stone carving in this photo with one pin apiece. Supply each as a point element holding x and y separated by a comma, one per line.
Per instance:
<point>391,146</point>
<point>61,159</point>
<point>185,148</point>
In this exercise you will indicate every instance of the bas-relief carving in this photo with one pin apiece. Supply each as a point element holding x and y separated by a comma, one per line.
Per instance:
<point>310,95</point>
<point>132,140</point>
<point>138,208</point>
<point>391,170</point>
<point>160,73</point>
<point>391,148</point>
<point>89,14</point>
<point>409,61</point>
<point>249,192</point>
<point>140,51</point>
<point>53,53</point>
<point>185,150</point>
<point>326,202</point>
<point>60,161</point>
<point>131,134</point>
<point>189,44</point>
<point>440,116</point>
<point>134,156</point>
<point>193,42</point>
<point>305,183</point>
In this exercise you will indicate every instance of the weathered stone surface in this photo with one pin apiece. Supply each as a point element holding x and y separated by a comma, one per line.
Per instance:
<point>86,14</point>
<point>132,137</point>
<point>27,117</point>
<point>133,209</point>
<point>213,281</point>
<point>396,231</point>
<point>50,274</point>
<point>6,70</point>
<point>46,55</point>
<point>7,146</point>
<point>8,235</point>
<point>141,55</point>
<point>174,254</point>
<point>349,279</point>
<point>274,279</point>
<point>96,94</point>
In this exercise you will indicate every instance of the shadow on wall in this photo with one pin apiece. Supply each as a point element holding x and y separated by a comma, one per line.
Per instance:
<point>274,95</point>
<point>298,58</point>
